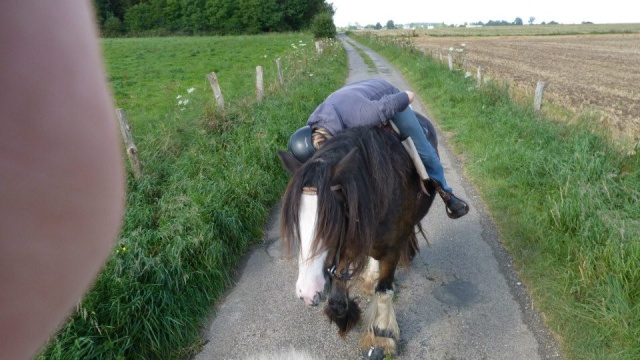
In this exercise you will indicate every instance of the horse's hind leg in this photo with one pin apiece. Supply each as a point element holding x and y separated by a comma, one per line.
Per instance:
<point>382,329</point>
<point>370,277</point>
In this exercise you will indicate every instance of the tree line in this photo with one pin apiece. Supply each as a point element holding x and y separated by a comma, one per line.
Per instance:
<point>218,17</point>
<point>517,21</point>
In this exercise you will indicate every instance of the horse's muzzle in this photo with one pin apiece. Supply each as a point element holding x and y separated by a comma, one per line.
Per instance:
<point>317,299</point>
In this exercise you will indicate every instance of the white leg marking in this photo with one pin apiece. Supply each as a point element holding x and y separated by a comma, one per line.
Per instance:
<point>370,276</point>
<point>381,314</point>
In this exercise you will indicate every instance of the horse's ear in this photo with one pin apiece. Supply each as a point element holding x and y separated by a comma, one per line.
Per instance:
<point>289,162</point>
<point>344,167</point>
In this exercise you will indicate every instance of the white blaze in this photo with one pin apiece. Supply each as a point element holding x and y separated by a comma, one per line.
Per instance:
<point>310,270</point>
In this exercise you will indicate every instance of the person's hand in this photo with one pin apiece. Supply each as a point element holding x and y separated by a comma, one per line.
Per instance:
<point>62,184</point>
<point>411,96</point>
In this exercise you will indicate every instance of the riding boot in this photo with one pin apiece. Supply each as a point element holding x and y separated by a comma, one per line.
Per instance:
<point>456,207</point>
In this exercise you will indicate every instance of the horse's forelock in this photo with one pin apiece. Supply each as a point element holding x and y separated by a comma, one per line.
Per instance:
<point>289,215</point>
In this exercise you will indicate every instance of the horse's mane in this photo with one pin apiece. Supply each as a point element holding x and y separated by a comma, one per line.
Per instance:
<point>357,173</point>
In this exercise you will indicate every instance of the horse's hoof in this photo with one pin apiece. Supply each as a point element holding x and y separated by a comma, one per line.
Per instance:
<point>374,353</point>
<point>377,347</point>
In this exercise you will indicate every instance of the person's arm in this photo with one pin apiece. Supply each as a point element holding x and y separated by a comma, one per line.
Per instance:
<point>61,170</point>
<point>392,104</point>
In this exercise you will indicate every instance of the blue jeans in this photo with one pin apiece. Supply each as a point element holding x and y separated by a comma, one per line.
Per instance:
<point>408,125</point>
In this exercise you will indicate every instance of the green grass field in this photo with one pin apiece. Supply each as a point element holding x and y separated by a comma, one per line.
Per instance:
<point>565,201</point>
<point>209,180</point>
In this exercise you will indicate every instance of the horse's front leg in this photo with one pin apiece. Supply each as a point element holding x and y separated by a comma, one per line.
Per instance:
<point>382,331</point>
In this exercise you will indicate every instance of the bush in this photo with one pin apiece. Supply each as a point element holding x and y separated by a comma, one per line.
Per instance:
<point>322,26</point>
<point>112,27</point>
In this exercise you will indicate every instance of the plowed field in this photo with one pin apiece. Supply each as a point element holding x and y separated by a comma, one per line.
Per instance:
<point>588,74</point>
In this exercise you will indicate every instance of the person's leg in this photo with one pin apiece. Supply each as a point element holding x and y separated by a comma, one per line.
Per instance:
<point>408,125</point>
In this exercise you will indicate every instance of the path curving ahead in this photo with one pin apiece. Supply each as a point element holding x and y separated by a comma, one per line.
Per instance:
<point>460,299</point>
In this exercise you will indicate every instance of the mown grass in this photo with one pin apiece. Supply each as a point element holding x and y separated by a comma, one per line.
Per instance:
<point>564,199</point>
<point>210,178</point>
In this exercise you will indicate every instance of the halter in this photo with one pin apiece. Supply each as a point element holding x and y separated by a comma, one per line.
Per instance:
<point>331,270</point>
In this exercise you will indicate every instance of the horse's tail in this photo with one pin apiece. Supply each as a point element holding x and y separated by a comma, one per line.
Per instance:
<point>412,248</point>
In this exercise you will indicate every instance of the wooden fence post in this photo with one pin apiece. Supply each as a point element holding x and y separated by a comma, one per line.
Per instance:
<point>537,103</point>
<point>259,83</point>
<point>132,150</point>
<point>280,76</point>
<point>318,47</point>
<point>450,57</point>
<point>479,76</point>
<point>215,86</point>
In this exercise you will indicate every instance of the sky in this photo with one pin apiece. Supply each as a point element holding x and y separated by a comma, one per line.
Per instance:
<point>366,12</point>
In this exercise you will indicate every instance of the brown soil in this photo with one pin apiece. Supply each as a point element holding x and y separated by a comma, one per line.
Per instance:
<point>588,74</point>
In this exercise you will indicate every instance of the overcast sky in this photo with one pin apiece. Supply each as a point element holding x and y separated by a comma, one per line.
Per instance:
<point>366,12</point>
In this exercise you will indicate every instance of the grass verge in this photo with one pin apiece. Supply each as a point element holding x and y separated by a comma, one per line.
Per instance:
<point>564,199</point>
<point>210,178</point>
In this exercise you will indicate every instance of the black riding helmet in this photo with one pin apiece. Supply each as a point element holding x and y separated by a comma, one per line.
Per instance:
<point>301,145</point>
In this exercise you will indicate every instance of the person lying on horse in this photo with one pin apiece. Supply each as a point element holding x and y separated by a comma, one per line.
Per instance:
<point>373,102</point>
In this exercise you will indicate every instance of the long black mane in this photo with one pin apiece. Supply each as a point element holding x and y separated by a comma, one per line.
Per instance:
<point>360,175</point>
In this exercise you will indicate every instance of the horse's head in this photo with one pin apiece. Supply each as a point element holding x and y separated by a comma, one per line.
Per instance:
<point>314,218</point>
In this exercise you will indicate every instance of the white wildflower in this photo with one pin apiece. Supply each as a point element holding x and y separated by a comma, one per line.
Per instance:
<point>178,97</point>
<point>190,90</point>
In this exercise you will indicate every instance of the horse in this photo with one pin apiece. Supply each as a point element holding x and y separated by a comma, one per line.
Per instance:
<point>351,211</point>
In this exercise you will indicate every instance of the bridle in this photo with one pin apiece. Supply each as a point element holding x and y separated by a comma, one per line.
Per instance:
<point>332,270</point>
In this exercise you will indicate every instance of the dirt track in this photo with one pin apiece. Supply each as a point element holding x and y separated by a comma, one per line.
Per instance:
<point>584,73</point>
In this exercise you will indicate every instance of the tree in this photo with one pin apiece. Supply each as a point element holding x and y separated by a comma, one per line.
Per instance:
<point>531,20</point>
<point>112,26</point>
<point>322,26</point>
<point>378,26</point>
<point>517,21</point>
<point>249,14</point>
<point>390,25</point>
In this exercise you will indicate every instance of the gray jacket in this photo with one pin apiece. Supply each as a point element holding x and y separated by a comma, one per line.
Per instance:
<point>364,103</point>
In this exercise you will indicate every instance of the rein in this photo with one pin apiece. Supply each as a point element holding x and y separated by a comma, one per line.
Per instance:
<point>331,270</point>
